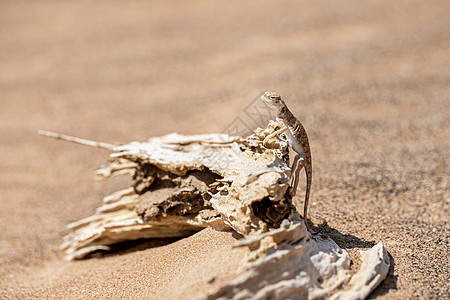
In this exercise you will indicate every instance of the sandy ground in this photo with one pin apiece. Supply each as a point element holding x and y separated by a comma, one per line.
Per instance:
<point>370,81</point>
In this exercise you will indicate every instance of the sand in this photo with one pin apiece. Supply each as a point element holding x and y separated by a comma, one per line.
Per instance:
<point>369,80</point>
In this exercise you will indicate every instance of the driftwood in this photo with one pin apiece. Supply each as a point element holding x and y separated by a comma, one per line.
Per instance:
<point>182,184</point>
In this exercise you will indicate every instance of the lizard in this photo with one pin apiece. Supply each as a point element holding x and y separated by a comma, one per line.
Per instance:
<point>298,141</point>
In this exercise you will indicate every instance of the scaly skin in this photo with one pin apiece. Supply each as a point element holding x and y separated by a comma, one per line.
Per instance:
<point>298,140</point>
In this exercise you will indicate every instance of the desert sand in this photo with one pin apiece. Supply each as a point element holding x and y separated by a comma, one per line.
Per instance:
<point>370,82</point>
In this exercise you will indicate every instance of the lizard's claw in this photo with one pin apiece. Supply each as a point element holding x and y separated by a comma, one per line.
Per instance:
<point>321,227</point>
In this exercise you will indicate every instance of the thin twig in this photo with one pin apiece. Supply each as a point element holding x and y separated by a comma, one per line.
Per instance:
<point>76,140</point>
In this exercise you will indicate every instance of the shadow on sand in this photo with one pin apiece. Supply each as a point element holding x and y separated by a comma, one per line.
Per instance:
<point>131,246</point>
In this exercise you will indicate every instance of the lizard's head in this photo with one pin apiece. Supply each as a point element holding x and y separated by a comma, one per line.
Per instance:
<point>273,100</point>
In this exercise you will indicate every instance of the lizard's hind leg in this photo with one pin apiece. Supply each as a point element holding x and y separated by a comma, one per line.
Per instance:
<point>293,170</point>
<point>297,166</point>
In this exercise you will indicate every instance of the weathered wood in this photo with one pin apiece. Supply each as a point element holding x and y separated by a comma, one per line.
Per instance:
<point>182,184</point>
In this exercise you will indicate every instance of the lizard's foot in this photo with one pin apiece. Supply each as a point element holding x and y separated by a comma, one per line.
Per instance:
<point>321,227</point>
<point>267,142</point>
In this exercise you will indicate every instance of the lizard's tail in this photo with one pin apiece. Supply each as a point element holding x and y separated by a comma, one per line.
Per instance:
<point>308,171</point>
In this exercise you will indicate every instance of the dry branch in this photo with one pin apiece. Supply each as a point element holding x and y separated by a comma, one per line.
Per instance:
<point>182,184</point>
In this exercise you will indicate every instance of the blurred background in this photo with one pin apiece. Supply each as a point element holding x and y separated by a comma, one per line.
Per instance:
<point>370,81</point>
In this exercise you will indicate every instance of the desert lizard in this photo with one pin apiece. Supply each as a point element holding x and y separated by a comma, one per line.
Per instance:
<point>298,140</point>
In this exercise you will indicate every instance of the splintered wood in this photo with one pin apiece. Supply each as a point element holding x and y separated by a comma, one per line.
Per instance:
<point>183,184</point>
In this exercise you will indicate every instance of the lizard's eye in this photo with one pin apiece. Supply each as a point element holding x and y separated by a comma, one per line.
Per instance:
<point>273,97</point>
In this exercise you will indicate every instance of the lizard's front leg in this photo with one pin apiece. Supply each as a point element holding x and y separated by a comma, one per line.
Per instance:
<point>272,135</point>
